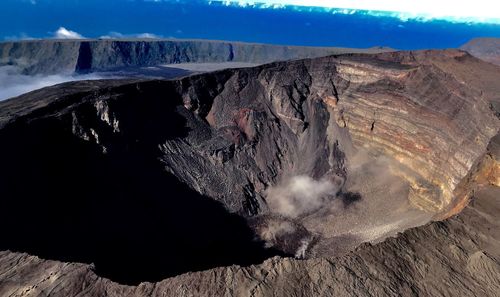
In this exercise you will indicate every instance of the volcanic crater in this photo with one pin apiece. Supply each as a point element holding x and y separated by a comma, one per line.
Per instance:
<point>149,179</point>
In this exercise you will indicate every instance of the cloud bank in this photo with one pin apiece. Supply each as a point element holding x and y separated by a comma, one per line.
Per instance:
<point>479,11</point>
<point>13,83</point>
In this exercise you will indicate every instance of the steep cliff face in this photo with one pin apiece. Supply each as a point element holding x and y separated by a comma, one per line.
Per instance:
<point>417,114</point>
<point>425,127</point>
<point>312,152</point>
<point>56,56</point>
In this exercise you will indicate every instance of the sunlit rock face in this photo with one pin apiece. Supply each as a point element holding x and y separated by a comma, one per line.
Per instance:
<point>317,155</point>
<point>435,126</point>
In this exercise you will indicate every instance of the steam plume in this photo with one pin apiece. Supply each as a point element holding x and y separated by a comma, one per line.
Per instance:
<point>301,194</point>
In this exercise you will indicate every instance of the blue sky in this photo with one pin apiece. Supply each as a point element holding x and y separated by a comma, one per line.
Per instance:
<point>400,24</point>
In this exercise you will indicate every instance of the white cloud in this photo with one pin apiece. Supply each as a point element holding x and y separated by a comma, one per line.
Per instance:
<point>148,35</point>
<point>118,35</point>
<point>113,35</point>
<point>22,36</point>
<point>481,11</point>
<point>63,33</point>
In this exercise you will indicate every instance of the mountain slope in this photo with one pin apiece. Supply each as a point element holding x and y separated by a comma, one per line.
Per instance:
<point>487,49</point>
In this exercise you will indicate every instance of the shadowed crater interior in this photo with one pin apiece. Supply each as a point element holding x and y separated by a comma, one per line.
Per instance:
<point>64,199</point>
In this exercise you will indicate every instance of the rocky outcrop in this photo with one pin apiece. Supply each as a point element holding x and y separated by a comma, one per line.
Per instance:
<point>67,56</point>
<point>181,162</point>
<point>487,49</point>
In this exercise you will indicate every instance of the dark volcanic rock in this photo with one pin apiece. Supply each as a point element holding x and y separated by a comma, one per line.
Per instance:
<point>148,179</point>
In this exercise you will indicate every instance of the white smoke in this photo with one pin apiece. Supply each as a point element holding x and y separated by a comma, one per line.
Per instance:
<point>304,245</point>
<point>301,194</point>
<point>13,83</point>
<point>374,173</point>
<point>274,229</point>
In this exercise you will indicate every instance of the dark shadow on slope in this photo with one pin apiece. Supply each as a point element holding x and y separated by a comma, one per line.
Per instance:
<point>159,72</point>
<point>84,62</point>
<point>350,198</point>
<point>63,199</point>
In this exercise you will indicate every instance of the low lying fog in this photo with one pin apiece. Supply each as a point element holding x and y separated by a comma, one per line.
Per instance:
<point>13,83</point>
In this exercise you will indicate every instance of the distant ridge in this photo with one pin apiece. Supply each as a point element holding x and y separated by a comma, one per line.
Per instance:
<point>487,49</point>
<point>89,55</point>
